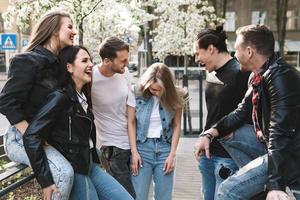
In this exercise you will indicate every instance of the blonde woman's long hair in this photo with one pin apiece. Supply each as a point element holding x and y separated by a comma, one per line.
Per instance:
<point>50,23</point>
<point>172,97</point>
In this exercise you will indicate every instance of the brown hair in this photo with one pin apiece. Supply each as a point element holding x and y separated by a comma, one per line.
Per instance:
<point>50,23</point>
<point>110,46</point>
<point>172,97</point>
<point>258,36</point>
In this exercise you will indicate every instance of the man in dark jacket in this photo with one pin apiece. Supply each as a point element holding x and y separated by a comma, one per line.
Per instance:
<point>273,102</point>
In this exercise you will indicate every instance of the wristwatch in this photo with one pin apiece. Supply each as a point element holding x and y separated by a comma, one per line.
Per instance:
<point>208,135</point>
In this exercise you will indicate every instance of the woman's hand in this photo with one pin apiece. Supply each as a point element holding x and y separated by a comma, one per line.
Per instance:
<point>169,164</point>
<point>277,195</point>
<point>48,191</point>
<point>136,162</point>
<point>22,126</point>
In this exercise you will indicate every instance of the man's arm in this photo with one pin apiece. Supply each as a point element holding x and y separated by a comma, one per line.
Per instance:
<point>225,126</point>
<point>284,91</point>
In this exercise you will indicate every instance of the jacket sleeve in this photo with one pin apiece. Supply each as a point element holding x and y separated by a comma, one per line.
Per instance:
<point>284,92</point>
<point>236,118</point>
<point>41,128</point>
<point>15,92</point>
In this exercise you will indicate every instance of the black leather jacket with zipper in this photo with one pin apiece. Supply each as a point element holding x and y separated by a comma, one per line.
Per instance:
<point>64,124</point>
<point>279,118</point>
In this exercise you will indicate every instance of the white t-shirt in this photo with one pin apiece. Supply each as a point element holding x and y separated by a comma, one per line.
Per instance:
<point>155,126</point>
<point>110,97</point>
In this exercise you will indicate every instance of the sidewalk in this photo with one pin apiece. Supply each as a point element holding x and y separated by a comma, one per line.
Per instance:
<point>187,181</point>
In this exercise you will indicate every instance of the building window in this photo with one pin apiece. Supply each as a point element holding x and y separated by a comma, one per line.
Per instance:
<point>230,21</point>
<point>293,20</point>
<point>258,17</point>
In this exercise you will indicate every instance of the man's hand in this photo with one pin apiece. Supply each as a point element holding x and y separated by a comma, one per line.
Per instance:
<point>203,143</point>
<point>48,191</point>
<point>277,195</point>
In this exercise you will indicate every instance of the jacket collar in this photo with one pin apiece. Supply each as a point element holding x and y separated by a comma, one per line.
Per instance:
<point>71,92</point>
<point>51,57</point>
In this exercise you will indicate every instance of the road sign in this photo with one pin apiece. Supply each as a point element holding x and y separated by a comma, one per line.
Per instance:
<point>25,42</point>
<point>9,41</point>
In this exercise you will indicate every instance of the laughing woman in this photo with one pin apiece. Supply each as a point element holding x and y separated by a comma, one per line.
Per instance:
<point>154,130</point>
<point>66,123</point>
<point>32,76</point>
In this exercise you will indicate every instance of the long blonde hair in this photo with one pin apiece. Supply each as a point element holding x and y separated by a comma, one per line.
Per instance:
<point>50,23</point>
<point>172,97</point>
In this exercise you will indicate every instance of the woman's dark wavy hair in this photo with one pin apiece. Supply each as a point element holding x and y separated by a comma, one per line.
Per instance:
<point>216,37</point>
<point>68,55</point>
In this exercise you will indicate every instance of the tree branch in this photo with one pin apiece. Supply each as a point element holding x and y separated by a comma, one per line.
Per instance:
<point>92,10</point>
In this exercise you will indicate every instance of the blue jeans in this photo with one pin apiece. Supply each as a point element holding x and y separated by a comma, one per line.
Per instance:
<point>210,171</point>
<point>252,159</point>
<point>154,153</point>
<point>97,185</point>
<point>61,170</point>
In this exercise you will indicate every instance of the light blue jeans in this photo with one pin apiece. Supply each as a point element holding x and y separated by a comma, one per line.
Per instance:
<point>97,185</point>
<point>61,170</point>
<point>210,169</point>
<point>251,157</point>
<point>154,153</point>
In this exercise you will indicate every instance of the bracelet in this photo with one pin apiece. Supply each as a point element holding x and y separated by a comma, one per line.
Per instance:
<point>208,135</point>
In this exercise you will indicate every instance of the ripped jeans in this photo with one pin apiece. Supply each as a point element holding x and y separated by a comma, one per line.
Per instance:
<point>61,170</point>
<point>251,157</point>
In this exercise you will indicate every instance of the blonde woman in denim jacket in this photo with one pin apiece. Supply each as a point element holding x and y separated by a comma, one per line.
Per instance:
<point>154,131</point>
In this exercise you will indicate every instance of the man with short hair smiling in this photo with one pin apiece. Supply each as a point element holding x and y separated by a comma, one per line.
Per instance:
<point>273,102</point>
<point>111,95</point>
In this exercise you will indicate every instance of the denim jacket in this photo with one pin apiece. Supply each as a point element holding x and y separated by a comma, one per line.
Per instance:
<point>144,108</point>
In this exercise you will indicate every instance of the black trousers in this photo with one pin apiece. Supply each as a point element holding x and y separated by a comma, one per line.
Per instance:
<point>116,162</point>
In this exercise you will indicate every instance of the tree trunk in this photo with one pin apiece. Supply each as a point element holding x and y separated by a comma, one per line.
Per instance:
<point>80,34</point>
<point>281,19</point>
<point>149,38</point>
<point>224,9</point>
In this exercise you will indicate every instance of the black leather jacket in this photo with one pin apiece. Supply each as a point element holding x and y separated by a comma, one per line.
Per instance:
<point>31,77</point>
<point>279,117</point>
<point>64,124</point>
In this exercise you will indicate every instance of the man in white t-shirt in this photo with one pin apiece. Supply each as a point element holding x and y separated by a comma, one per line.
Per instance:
<point>111,95</point>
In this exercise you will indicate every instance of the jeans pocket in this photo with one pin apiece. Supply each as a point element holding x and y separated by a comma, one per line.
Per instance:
<point>18,137</point>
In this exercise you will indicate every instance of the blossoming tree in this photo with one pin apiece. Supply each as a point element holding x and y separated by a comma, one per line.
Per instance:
<point>179,23</point>
<point>95,19</point>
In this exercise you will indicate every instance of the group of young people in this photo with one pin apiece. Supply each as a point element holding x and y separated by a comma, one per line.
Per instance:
<point>68,115</point>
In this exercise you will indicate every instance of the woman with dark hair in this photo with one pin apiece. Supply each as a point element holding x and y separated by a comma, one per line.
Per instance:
<point>67,123</point>
<point>32,76</point>
<point>225,88</point>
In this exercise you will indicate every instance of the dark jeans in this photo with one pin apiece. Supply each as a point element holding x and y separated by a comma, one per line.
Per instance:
<point>116,162</point>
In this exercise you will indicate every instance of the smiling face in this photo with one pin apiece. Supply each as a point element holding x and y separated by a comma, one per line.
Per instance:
<point>81,69</point>
<point>242,53</point>
<point>66,32</point>
<point>119,63</point>
<point>204,57</point>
